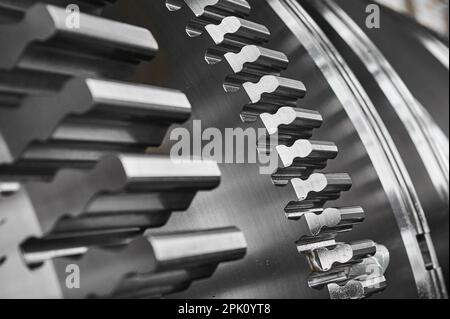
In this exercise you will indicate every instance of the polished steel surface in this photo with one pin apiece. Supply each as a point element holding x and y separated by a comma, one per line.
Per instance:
<point>265,205</point>
<point>432,94</point>
<point>388,79</point>
<point>79,142</point>
<point>418,122</point>
<point>354,208</point>
<point>403,198</point>
<point>313,190</point>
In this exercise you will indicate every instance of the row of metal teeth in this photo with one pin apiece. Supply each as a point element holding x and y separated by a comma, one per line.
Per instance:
<point>104,221</point>
<point>76,184</point>
<point>255,71</point>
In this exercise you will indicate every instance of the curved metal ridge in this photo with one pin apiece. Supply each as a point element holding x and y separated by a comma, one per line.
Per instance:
<point>380,147</point>
<point>438,49</point>
<point>238,42</point>
<point>39,49</point>
<point>422,129</point>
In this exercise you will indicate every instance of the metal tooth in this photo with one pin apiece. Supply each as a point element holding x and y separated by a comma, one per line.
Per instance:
<point>321,187</point>
<point>169,184</point>
<point>301,159</point>
<point>304,152</point>
<point>286,124</point>
<point>39,48</point>
<point>187,252</point>
<point>177,270</point>
<point>8,188</point>
<point>117,262</point>
<point>356,289</point>
<point>334,220</point>
<point>209,12</point>
<point>16,84</point>
<point>275,90</point>
<point>8,14</point>
<point>108,132</point>
<point>307,244</point>
<point>251,63</point>
<point>151,203</point>
<point>290,124</point>
<point>251,112</point>
<point>151,185</point>
<point>355,281</point>
<point>382,257</point>
<point>91,98</point>
<point>37,251</point>
<point>201,7</point>
<point>299,207</point>
<point>370,267</point>
<point>231,35</point>
<point>13,10</point>
<point>323,258</point>
<point>9,99</point>
<point>154,186</point>
<point>237,33</point>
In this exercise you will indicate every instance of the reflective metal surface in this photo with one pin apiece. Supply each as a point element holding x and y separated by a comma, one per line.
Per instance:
<point>218,110</point>
<point>79,185</point>
<point>358,204</point>
<point>418,122</point>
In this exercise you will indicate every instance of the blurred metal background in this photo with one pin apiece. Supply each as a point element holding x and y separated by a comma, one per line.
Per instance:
<point>431,13</point>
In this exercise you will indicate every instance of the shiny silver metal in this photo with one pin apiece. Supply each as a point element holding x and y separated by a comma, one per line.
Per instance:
<point>429,140</point>
<point>46,23</point>
<point>384,178</point>
<point>107,211</point>
<point>252,62</point>
<point>319,220</point>
<point>322,259</point>
<point>344,123</point>
<point>78,185</point>
<point>189,252</point>
<point>379,144</point>
<point>313,190</point>
<point>289,123</point>
<point>370,273</point>
<point>74,120</point>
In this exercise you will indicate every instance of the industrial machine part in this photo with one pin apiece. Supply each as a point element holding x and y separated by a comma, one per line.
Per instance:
<point>79,188</point>
<point>238,42</point>
<point>74,137</point>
